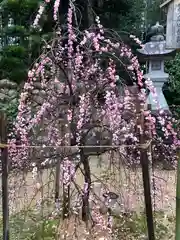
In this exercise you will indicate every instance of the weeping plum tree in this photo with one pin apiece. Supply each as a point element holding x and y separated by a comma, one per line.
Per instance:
<point>79,88</point>
<point>73,83</point>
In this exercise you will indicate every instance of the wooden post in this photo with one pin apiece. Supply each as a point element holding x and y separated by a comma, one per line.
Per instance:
<point>146,183</point>
<point>134,91</point>
<point>4,161</point>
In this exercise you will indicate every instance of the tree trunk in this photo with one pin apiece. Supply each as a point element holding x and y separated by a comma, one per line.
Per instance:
<point>66,189</point>
<point>66,201</point>
<point>87,179</point>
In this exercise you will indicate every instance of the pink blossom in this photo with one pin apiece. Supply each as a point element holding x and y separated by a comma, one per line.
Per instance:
<point>56,9</point>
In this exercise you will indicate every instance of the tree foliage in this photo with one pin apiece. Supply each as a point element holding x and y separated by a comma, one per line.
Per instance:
<point>172,88</point>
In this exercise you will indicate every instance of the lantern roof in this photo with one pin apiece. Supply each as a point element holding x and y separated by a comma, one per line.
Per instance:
<point>156,47</point>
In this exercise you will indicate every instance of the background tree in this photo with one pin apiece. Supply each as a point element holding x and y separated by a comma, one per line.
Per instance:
<point>20,42</point>
<point>118,15</point>
<point>153,12</point>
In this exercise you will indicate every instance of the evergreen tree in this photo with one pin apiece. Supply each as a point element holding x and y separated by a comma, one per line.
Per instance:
<point>20,42</point>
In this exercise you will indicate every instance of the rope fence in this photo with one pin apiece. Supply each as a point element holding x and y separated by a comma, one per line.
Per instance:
<point>141,146</point>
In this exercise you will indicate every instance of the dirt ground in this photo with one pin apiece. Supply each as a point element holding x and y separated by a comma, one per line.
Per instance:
<point>127,183</point>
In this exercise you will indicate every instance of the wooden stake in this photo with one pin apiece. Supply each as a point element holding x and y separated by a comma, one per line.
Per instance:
<point>146,183</point>
<point>144,164</point>
<point>4,161</point>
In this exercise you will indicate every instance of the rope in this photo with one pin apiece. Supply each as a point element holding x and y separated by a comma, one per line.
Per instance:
<point>141,146</point>
<point>3,145</point>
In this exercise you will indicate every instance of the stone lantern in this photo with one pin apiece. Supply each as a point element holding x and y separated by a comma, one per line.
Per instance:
<point>155,53</point>
<point>172,9</point>
<point>110,199</point>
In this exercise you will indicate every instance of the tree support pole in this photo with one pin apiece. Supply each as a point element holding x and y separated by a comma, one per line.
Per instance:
<point>178,200</point>
<point>140,107</point>
<point>4,162</point>
<point>146,183</point>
